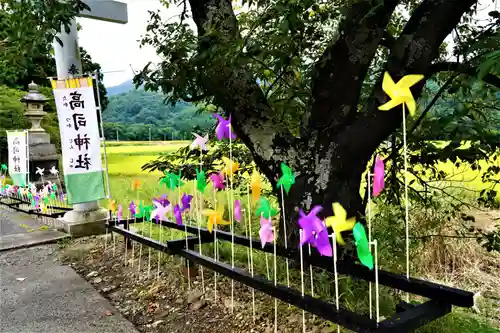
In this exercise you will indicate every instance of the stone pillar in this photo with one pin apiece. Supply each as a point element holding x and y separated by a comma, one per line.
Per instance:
<point>42,153</point>
<point>85,218</point>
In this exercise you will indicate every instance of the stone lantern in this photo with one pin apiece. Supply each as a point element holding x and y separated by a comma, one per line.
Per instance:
<point>42,153</point>
<point>34,107</point>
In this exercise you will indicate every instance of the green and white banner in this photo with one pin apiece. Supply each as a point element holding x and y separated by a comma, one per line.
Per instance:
<point>80,141</point>
<point>18,156</point>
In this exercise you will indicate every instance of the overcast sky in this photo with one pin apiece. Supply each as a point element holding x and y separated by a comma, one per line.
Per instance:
<point>116,46</point>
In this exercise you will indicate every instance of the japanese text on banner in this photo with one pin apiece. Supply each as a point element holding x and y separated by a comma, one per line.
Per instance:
<point>79,129</point>
<point>18,156</point>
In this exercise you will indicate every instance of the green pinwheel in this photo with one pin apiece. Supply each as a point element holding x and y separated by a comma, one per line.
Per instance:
<point>201,182</point>
<point>46,200</point>
<point>3,167</point>
<point>171,180</point>
<point>362,246</point>
<point>287,179</point>
<point>265,209</point>
<point>147,212</point>
<point>53,196</point>
<point>140,210</point>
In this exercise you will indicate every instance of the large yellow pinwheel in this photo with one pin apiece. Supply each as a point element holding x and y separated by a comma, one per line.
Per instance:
<point>340,222</point>
<point>214,217</point>
<point>400,92</point>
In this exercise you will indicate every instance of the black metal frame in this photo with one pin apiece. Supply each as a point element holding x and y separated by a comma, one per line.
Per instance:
<point>408,317</point>
<point>18,201</point>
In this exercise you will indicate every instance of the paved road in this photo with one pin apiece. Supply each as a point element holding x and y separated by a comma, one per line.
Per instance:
<point>18,230</point>
<point>39,295</point>
<point>16,223</point>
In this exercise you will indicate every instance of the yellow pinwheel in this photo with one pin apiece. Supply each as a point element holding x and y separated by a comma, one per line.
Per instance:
<point>214,217</point>
<point>340,222</point>
<point>400,92</point>
<point>112,206</point>
<point>230,167</point>
<point>255,185</point>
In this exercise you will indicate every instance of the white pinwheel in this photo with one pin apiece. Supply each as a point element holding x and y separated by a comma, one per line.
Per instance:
<point>40,171</point>
<point>54,171</point>
<point>200,142</point>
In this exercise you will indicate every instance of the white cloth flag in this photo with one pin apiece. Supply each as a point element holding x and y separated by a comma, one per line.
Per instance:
<point>80,141</point>
<point>18,156</point>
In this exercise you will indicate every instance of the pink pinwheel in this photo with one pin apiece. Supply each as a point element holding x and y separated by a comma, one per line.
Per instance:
<point>186,201</point>
<point>132,208</point>
<point>237,210</point>
<point>315,232</point>
<point>223,129</point>
<point>217,180</point>
<point>200,142</point>
<point>119,213</point>
<point>160,210</point>
<point>178,214</point>
<point>378,176</point>
<point>266,231</point>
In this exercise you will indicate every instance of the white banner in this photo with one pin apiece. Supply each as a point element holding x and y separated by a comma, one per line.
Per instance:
<point>18,151</point>
<point>78,124</point>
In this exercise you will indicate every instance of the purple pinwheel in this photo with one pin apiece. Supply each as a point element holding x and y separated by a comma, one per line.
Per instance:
<point>266,231</point>
<point>178,214</point>
<point>310,224</point>
<point>37,201</point>
<point>315,232</point>
<point>162,200</point>
<point>223,129</point>
<point>119,213</point>
<point>237,210</point>
<point>132,208</point>
<point>217,180</point>
<point>186,201</point>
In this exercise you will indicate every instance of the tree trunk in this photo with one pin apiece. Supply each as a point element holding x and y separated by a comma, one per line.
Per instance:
<point>326,174</point>
<point>338,140</point>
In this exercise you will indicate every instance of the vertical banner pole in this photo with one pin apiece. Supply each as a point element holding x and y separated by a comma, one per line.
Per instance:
<point>103,137</point>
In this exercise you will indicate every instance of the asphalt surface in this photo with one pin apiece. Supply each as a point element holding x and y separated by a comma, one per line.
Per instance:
<point>38,294</point>
<point>18,230</point>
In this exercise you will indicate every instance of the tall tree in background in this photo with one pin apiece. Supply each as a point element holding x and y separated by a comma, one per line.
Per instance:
<point>302,79</point>
<point>27,31</point>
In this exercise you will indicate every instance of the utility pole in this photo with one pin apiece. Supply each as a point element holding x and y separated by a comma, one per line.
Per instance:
<point>150,134</point>
<point>117,135</point>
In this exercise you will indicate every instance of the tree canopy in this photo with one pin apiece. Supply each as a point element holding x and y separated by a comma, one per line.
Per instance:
<point>302,81</point>
<point>27,30</point>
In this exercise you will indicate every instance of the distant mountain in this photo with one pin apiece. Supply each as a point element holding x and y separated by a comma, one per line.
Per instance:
<point>121,88</point>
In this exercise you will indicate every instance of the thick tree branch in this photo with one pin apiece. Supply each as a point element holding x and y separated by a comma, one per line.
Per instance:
<point>235,89</point>
<point>339,73</point>
<point>448,66</point>
<point>413,53</point>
